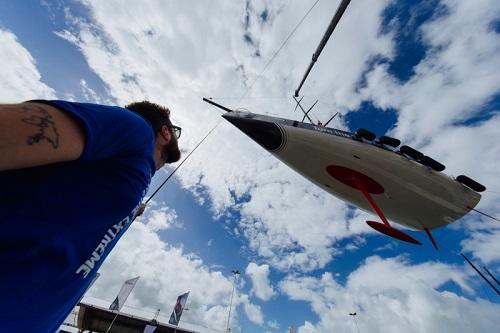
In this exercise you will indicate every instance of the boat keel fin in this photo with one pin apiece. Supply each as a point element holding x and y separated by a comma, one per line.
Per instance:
<point>428,232</point>
<point>392,232</point>
<point>368,186</point>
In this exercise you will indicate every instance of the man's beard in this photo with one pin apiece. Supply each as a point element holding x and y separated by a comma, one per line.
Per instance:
<point>171,152</point>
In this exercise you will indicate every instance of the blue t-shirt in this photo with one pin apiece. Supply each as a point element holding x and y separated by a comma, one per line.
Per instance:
<point>59,222</point>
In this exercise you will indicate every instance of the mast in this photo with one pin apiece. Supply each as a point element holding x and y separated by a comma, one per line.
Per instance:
<point>333,23</point>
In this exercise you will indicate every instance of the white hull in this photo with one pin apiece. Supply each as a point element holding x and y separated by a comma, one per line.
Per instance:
<point>414,195</point>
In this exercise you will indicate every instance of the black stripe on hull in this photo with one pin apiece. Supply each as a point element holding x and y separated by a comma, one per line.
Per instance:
<point>267,134</point>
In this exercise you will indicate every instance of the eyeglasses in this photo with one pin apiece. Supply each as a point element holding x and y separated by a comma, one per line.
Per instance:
<point>176,130</point>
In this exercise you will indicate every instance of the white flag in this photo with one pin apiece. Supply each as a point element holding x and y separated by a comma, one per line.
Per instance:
<point>123,294</point>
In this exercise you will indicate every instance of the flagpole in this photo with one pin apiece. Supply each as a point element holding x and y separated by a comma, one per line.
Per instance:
<point>230,305</point>
<point>231,301</point>
<point>122,298</point>
<point>112,322</point>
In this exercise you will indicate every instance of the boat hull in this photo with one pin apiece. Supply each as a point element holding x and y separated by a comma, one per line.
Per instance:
<point>412,194</point>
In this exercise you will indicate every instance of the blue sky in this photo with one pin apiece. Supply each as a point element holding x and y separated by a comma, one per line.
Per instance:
<point>422,71</point>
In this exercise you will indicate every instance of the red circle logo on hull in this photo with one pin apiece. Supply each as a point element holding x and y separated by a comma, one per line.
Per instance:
<point>353,178</point>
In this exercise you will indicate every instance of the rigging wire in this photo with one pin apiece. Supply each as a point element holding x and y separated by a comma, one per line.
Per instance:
<point>279,49</point>
<point>182,162</point>
<point>480,274</point>
<point>491,275</point>
<point>482,213</point>
<point>242,97</point>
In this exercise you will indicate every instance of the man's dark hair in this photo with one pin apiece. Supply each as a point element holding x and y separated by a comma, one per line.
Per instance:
<point>158,116</point>
<point>155,114</point>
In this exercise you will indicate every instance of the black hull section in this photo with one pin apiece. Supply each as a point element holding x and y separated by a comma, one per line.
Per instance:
<point>266,134</point>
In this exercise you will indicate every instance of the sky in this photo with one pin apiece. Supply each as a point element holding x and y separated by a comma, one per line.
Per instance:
<point>425,72</point>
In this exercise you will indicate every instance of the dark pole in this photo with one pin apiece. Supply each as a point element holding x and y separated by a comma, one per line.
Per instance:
<point>492,276</point>
<point>217,105</point>
<point>333,23</point>
<point>481,274</point>
<point>235,272</point>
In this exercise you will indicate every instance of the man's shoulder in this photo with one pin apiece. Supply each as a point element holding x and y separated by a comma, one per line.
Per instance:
<point>99,112</point>
<point>111,131</point>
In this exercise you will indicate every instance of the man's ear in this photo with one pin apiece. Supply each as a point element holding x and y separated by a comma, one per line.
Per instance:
<point>165,134</point>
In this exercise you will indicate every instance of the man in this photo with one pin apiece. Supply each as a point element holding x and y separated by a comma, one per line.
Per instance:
<point>72,178</point>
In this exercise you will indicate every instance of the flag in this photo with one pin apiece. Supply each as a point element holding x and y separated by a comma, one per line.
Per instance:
<point>149,329</point>
<point>175,317</point>
<point>123,294</point>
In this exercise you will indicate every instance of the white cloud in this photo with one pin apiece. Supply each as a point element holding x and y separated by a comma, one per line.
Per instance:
<point>485,244</point>
<point>273,324</point>
<point>252,311</point>
<point>90,94</point>
<point>261,286</point>
<point>356,244</point>
<point>21,79</point>
<point>454,79</point>
<point>162,218</point>
<point>391,295</point>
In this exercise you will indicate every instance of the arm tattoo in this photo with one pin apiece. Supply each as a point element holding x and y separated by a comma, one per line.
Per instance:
<point>39,117</point>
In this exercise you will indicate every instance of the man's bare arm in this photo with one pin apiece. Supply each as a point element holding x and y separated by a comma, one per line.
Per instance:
<point>34,134</point>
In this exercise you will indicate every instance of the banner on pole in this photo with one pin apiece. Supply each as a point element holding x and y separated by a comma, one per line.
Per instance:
<point>123,294</point>
<point>175,317</point>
